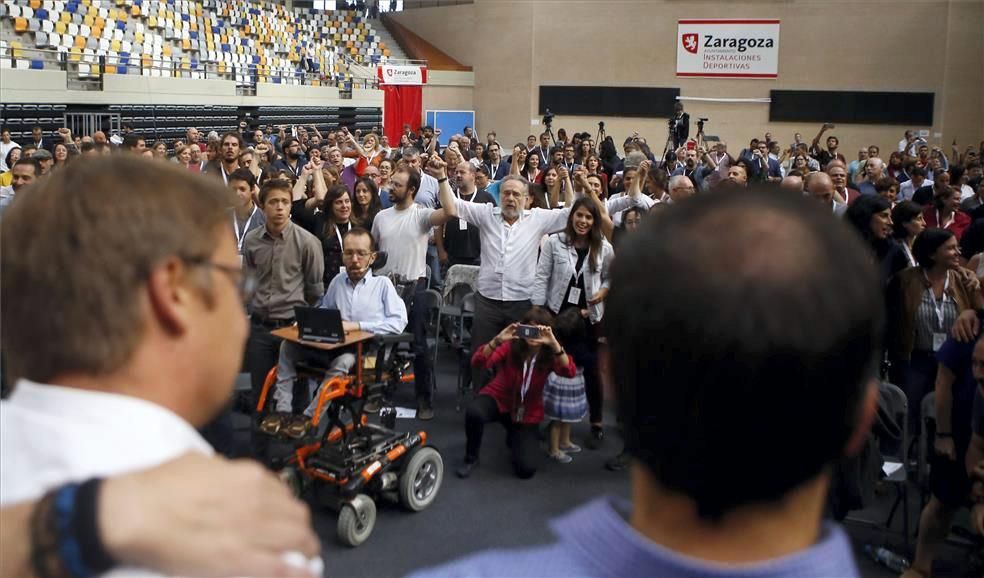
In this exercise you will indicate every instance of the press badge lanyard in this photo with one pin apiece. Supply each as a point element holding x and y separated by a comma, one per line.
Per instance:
<point>938,305</point>
<point>575,294</point>
<point>942,225</point>
<point>338,232</point>
<point>528,368</point>
<point>938,337</point>
<point>912,259</point>
<point>241,237</point>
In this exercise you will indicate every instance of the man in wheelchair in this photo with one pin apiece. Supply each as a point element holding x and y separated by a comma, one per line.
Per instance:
<point>366,303</point>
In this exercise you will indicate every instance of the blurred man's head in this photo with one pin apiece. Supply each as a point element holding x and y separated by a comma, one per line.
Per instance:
<point>160,267</point>
<point>781,267</point>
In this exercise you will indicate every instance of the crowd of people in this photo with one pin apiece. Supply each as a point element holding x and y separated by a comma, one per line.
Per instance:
<point>545,222</point>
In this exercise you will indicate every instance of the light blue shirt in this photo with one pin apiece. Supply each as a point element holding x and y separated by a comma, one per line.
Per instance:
<point>597,540</point>
<point>373,303</point>
<point>493,191</point>
<point>428,195</point>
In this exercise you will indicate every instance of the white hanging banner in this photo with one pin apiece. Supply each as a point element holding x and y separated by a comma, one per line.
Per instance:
<point>719,48</point>
<point>402,74</point>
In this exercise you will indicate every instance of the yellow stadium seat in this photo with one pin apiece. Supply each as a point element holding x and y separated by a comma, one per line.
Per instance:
<point>89,20</point>
<point>20,24</point>
<point>120,2</point>
<point>66,17</point>
<point>60,27</point>
<point>110,69</point>
<point>135,10</point>
<point>167,50</point>
<point>194,25</point>
<point>80,41</point>
<point>96,32</point>
<point>139,37</point>
<point>75,54</point>
<point>115,45</point>
<point>152,22</point>
<point>186,44</point>
<point>35,4</point>
<point>222,68</point>
<point>99,21</point>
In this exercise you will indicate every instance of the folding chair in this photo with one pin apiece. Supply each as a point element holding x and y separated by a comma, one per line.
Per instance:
<point>897,458</point>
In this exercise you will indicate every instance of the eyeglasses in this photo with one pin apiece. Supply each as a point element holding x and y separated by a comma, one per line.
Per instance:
<point>360,254</point>
<point>244,281</point>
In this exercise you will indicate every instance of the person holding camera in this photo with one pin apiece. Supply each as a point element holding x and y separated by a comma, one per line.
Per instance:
<point>523,355</point>
<point>679,126</point>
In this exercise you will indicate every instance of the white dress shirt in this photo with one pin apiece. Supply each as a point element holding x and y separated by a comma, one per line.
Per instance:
<point>52,435</point>
<point>907,189</point>
<point>509,252</point>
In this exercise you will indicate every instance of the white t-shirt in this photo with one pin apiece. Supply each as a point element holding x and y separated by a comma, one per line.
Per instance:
<point>5,148</point>
<point>403,235</point>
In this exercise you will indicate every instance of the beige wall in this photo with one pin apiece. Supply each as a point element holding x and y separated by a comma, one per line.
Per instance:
<point>447,90</point>
<point>834,45</point>
<point>449,28</point>
<point>49,86</point>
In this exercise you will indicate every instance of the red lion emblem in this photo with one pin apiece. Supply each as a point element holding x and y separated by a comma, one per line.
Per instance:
<point>690,42</point>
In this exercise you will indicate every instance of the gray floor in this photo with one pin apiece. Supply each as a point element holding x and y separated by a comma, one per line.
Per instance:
<point>493,509</point>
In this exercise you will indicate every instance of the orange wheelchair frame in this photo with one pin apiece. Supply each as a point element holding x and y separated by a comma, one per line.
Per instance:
<point>352,464</point>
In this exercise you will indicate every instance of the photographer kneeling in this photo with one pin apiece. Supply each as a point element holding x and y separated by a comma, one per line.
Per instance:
<point>523,354</point>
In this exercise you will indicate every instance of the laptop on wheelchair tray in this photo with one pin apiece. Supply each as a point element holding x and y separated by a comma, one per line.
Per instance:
<point>319,325</point>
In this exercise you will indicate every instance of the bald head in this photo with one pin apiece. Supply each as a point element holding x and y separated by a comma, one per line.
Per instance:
<point>820,187</point>
<point>792,183</point>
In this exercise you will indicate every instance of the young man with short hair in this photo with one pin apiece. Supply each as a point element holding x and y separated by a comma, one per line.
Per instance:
<point>24,172</point>
<point>246,214</point>
<point>288,265</point>
<point>228,159</point>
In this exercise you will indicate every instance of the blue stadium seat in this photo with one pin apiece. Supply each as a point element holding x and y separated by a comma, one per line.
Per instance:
<point>121,69</point>
<point>37,64</point>
<point>41,14</point>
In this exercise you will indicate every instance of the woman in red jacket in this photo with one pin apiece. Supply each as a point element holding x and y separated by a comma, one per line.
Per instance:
<point>945,213</point>
<point>514,397</point>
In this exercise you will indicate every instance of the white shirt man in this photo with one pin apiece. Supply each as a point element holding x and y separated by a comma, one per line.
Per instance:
<point>6,145</point>
<point>510,243</point>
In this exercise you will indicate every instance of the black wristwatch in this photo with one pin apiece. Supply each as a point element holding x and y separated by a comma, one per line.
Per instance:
<point>444,180</point>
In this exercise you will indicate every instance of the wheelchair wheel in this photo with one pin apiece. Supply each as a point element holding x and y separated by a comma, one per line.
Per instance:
<point>294,480</point>
<point>421,479</point>
<point>354,527</point>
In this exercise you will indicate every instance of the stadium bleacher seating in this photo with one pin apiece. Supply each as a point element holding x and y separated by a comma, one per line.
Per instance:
<point>246,41</point>
<point>169,122</point>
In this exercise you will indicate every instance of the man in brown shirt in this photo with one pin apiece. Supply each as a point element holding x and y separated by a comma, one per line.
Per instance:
<point>288,265</point>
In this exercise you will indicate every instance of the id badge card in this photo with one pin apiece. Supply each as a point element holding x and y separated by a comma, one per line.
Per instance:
<point>520,411</point>
<point>462,225</point>
<point>341,269</point>
<point>938,339</point>
<point>574,297</point>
